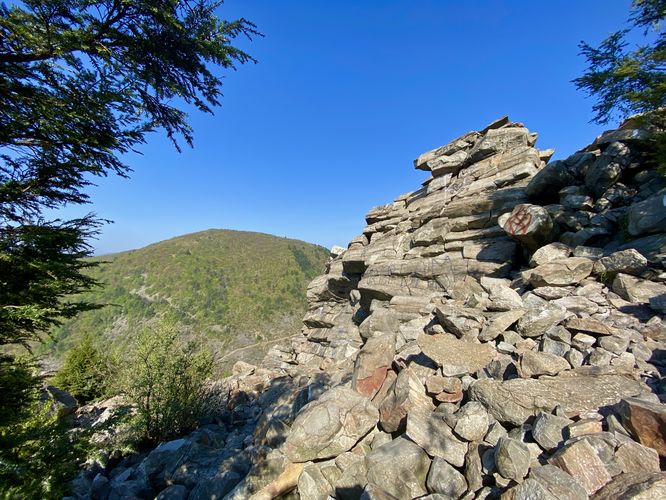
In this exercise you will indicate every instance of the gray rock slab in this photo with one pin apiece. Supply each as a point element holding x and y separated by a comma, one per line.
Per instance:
<point>576,391</point>
<point>496,140</point>
<point>548,430</point>
<point>562,272</point>
<point>330,425</point>
<point>459,320</point>
<point>541,315</point>
<point>502,297</point>
<point>354,478</point>
<point>581,461</point>
<point>405,395</point>
<point>446,480</point>
<point>549,483</point>
<point>472,422</point>
<point>645,485</point>
<point>456,357</point>
<point>549,253</point>
<point>400,468</point>
<point>431,432</point>
<point>312,484</point>
<point>499,323</point>
<point>534,364</point>
<point>512,458</point>
<point>648,216</point>
<point>636,290</point>
<point>628,261</point>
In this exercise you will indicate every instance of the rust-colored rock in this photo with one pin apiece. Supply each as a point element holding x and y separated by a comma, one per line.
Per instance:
<point>372,364</point>
<point>588,325</point>
<point>647,421</point>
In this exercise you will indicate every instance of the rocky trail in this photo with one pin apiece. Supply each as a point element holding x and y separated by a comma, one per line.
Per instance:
<point>497,333</point>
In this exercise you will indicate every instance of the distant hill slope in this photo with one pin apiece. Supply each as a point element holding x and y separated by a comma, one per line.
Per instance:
<point>238,288</point>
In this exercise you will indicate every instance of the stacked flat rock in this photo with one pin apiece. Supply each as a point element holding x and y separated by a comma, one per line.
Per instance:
<point>497,333</point>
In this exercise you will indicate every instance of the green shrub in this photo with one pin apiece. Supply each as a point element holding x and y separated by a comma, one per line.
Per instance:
<point>18,387</point>
<point>165,378</point>
<point>86,372</point>
<point>39,454</point>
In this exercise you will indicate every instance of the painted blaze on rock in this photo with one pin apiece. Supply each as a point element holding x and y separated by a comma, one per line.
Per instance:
<point>530,224</point>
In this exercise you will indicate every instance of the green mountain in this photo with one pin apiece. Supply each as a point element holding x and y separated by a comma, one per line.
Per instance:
<point>237,288</point>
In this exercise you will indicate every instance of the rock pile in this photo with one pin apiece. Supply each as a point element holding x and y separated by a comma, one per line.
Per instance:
<point>496,333</point>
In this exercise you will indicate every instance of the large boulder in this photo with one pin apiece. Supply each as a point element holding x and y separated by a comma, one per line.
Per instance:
<point>544,186</point>
<point>399,468</point>
<point>406,394</point>
<point>454,356</point>
<point>330,425</point>
<point>160,464</point>
<point>549,483</point>
<point>430,431</point>
<point>512,458</point>
<point>472,422</point>
<point>312,484</point>
<point>642,485</point>
<point>607,168</point>
<point>549,253</point>
<point>62,402</point>
<point>628,261</point>
<point>496,140</point>
<point>372,363</point>
<point>637,290</point>
<point>531,225</point>
<point>445,479</point>
<point>575,391</point>
<point>581,460</point>
<point>647,421</point>
<point>549,430</point>
<point>648,216</point>
<point>562,272</point>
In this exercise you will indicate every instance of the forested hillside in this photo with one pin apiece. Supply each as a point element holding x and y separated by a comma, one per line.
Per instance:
<point>235,287</point>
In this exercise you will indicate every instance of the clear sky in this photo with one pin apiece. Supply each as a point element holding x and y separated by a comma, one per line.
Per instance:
<point>345,95</point>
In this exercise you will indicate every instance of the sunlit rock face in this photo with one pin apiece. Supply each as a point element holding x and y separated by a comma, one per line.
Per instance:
<point>497,331</point>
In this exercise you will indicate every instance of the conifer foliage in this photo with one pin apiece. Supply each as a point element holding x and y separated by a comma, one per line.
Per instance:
<point>81,83</point>
<point>87,371</point>
<point>626,81</point>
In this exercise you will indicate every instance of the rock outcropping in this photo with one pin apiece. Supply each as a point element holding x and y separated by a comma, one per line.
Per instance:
<point>496,333</point>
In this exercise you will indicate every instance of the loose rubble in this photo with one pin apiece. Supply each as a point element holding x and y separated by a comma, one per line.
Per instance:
<point>497,333</point>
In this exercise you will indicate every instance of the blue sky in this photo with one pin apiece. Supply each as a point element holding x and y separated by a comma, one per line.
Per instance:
<point>344,97</point>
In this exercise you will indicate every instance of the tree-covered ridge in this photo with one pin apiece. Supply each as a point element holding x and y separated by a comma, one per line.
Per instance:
<point>235,287</point>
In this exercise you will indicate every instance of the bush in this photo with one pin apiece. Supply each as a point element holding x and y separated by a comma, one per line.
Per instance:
<point>165,378</point>
<point>18,387</point>
<point>86,372</point>
<point>39,454</point>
